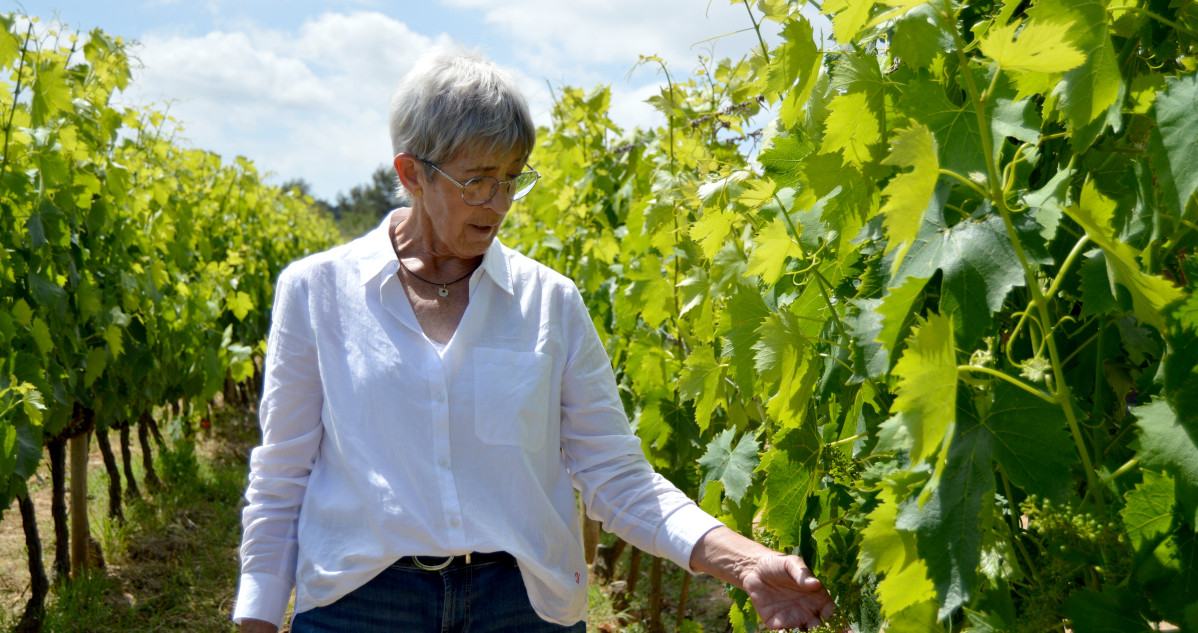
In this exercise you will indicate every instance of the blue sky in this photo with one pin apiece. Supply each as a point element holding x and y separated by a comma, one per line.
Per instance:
<point>301,86</point>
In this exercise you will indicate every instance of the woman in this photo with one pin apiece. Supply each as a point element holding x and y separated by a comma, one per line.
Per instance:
<point>432,399</point>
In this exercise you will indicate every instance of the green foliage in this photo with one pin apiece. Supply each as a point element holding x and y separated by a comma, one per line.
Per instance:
<point>133,271</point>
<point>964,249</point>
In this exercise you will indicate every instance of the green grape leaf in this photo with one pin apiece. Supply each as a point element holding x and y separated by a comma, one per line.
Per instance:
<point>8,329</point>
<point>97,360</point>
<point>785,358</point>
<point>917,618</point>
<point>732,467</point>
<point>849,16</point>
<point>979,268</point>
<point>241,362</point>
<point>46,293</point>
<point>954,126</point>
<point>791,466</point>
<point>646,366</point>
<point>1175,163</point>
<point>29,444</point>
<point>1049,201</point>
<point>927,385</point>
<point>113,336</point>
<point>1097,290</point>
<point>1087,91</point>
<point>10,45</point>
<point>908,194</point>
<point>948,525</point>
<point>1150,295</point>
<point>51,93</point>
<point>1011,116</point>
<point>22,313</point>
<point>739,319</point>
<point>717,194</point>
<point>757,193</point>
<point>1174,590</point>
<point>711,230</point>
<point>1181,373</point>
<point>797,58</point>
<point>42,337</point>
<point>899,309</point>
<point>1148,515</point>
<point>693,292</point>
<point>1113,610</point>
<point>774,247</point>
<point>893,553</point>
<point>1031,441</point>
<point>241,304</point>
<point>654,431</point>
<point>784,159</point>
<point>1165,443</point>
<point>710,498</point>
<point>1042,47</point>
<point>918,40</point>
<point>88,298</point>
<point>701,381</point>
<point>864,326</point>
<point>851,128</point>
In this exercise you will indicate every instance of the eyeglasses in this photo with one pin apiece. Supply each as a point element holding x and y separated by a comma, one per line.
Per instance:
<point>478,191</point>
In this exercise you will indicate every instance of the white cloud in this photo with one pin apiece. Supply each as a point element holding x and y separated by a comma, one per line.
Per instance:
<point>310,103</point>
<point>554,37</point>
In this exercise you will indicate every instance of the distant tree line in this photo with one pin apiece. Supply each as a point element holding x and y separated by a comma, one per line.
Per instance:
<point>362,208</point>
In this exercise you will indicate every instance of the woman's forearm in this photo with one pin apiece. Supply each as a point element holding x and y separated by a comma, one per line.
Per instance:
<point>727,555</point>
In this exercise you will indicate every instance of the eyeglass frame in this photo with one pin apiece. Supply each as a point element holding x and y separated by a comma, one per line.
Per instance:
<point>498,183</point>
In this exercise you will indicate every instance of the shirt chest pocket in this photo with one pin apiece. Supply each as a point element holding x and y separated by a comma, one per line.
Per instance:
<point>511,397</point>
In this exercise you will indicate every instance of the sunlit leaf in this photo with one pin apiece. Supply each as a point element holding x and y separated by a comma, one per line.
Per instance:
<point>907,194</point>
<point>774,247</point>
<point>851,128</point>
<point>927,385</point>
<point>1041,47</point>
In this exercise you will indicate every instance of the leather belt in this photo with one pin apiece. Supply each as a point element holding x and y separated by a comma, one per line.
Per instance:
<point>436,563</point>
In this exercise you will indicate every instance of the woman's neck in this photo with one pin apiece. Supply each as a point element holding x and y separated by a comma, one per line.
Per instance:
<point>413,238</point>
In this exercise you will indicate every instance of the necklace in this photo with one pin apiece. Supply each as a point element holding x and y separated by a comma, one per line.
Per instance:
<point>443,290</point>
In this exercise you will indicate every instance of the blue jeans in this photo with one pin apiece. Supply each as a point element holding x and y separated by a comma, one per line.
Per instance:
<point>479,598</point>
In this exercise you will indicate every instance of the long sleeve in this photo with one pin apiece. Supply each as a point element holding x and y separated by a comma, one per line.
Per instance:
<point>290,415</point>
<point>606,461</point>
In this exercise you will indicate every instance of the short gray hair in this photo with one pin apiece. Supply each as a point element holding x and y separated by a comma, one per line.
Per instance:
<point>454,100</point>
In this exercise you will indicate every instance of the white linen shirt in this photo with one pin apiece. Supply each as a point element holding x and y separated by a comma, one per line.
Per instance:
<point>376,445</point>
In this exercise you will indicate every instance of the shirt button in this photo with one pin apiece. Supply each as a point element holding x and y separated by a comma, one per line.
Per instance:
<point>444,462</point>
<point>440,397</point>
<point>453,522</point>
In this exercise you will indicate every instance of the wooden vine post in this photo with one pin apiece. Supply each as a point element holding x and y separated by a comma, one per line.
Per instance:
<point>79,525</point>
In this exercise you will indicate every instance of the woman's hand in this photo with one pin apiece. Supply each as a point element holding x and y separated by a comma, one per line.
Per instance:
<point>786,594</point>
<point>784,591</point>
<point>250,625</point>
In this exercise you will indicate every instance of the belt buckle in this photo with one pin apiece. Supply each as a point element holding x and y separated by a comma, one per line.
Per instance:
<point>438,566</point>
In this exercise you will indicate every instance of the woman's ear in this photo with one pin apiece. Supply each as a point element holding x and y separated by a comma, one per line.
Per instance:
<point>407,167</point>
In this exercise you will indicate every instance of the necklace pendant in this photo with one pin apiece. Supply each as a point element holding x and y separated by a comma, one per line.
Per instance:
<point>443,291</point>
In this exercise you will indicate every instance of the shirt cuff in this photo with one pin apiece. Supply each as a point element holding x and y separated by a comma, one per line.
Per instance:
<point>681,531</point>
<point>262,597</point>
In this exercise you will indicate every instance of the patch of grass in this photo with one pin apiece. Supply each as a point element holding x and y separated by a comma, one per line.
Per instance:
<point>172,566</point>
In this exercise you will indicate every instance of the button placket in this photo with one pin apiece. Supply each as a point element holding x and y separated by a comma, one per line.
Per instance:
<point>450,503</point>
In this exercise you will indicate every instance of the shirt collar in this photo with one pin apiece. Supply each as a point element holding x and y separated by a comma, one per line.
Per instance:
<point>377,256</point>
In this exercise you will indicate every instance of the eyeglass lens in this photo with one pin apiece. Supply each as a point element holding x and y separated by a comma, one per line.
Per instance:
<point>479,190</point>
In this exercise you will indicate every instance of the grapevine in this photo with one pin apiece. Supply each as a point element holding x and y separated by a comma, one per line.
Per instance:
<point>135,274</point>
<point>938,335</point>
